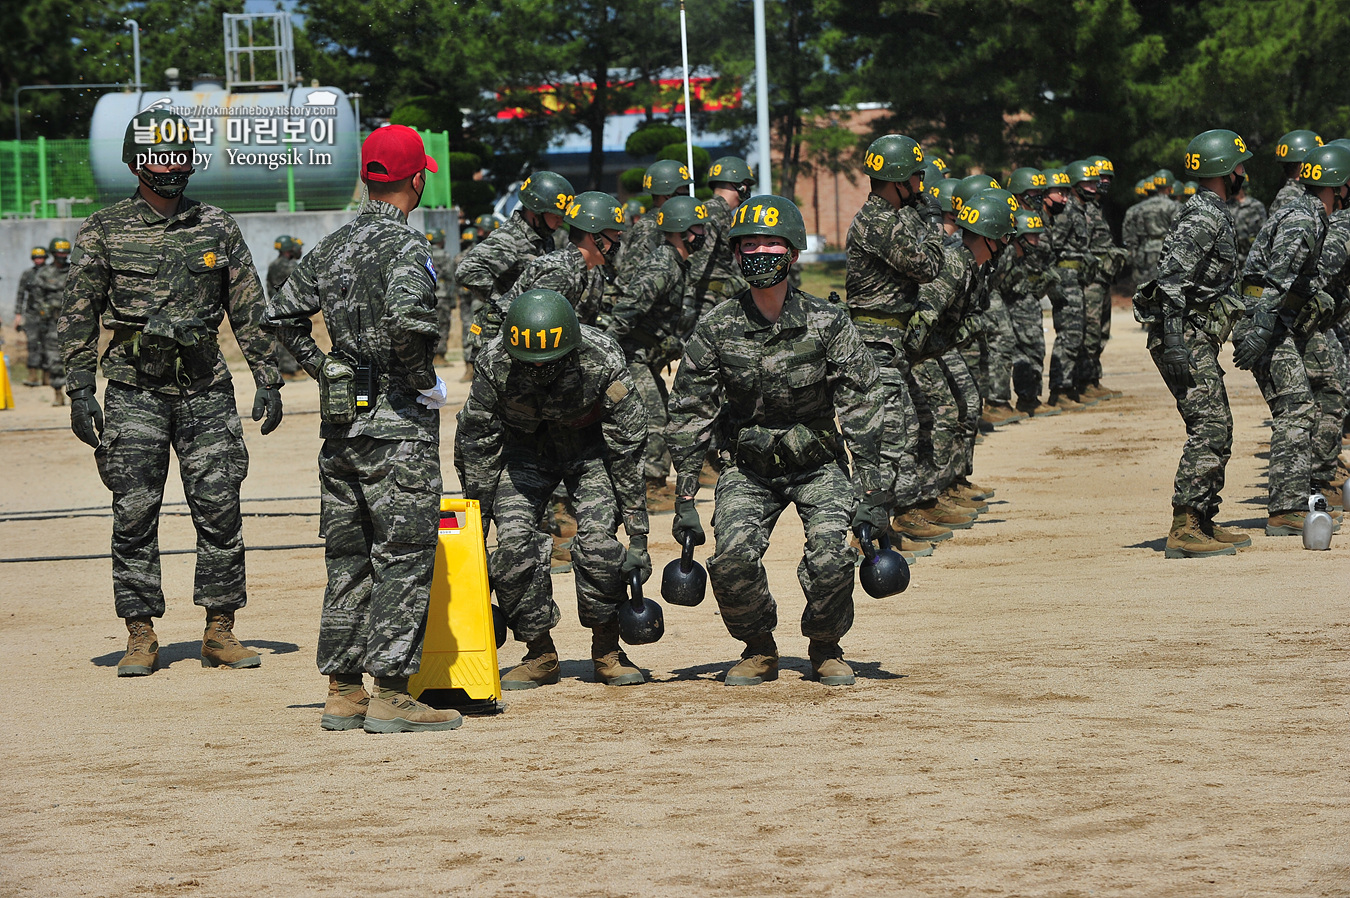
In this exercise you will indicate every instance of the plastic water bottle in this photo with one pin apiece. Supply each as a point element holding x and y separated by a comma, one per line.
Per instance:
<point>1318,525</point>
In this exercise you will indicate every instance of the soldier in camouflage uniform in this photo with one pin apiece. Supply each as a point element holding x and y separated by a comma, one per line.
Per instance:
<point>161,271</point>
<point>1290,151</point>
<point>663,179</point>
<point>288,256</point>
<point>652,310</point>
<point>1334,272</point>
<point>538,417</point>
<point>46,297</point>
<point>445,291</point>
<point>1145,232</point>
<point>1071,243</point>
<point>34,337</point>
<point>464,298</point>
<point>1110,260</point>
<point>1022,276</point>
<point>772,369</point>
<point>1025,184</point>
<point>891,251</point>
<point>1188,311</point>
<point>713,275</point>
<point>1284,333</point>
<point>492,266</point>
<point>1249,215</point>
<point>379,467</point>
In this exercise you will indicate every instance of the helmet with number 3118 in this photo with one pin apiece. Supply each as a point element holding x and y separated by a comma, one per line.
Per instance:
<point>769,215</point>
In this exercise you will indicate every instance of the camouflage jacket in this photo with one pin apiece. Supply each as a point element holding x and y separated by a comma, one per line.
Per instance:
<point>1332,271</point>
<point>563,270</point>
<point>1071,236</point>
<point>1290,190</point>
<point>491,267</point>
<point>445,274</point>
<point>890,253</point>
<point>49,291</point>
<point>739,371</point>
<point>1145,230</point>
<point>373,280</point>
<point>943,305</point>
<point>1284,257</point>
<point>714,274</point>
<point>639,242</point>
<point>25,302</point>
<point>130,262</point>
<point>652,306</point>
<point>1111,258</point>
<point>1248,216</point>
<point>592,407</point>
<point>1026,276</point>
<point>1199,264</point>
<point>278,271</point>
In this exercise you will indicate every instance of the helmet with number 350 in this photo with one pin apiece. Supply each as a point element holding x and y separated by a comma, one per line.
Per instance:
<point>769,215</point>
<point>894,157</point>
<point>541,326</point>
<point>546,192</point>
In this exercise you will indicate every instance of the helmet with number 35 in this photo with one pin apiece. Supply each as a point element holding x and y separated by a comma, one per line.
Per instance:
<point>1215,153</point>
<point>769,215</point>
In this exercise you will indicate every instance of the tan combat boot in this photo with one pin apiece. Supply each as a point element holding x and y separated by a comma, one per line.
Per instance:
<point>660,495</point>
<point>467,376</point>
<point>1037,409</point>
<point>142,649</point>
<point>953,496</point>
<point>912,525</point>
<point>1235,538</point>
<point>916,547</point>
<point>34,377</point>
<point>828,665</point>
<point>345,708</point>
<point>46,378</point>
<point>58,397</point>
<point>759,662</point>
<point>1065,403</point>
<point>220,648</point>
<point>612,666</point>
<point>968,490</point>
<point>935,512</point>
<point>1187,539</point>
<point>539,667</point>
<point>393,710</point>
<point>1286,523</point>
<point>560,559</point>
<point>1335,496</point>
<point>944,500</point>
<point>997,414</point>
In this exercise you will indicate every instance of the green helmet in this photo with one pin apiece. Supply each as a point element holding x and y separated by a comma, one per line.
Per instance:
<point>942,192</point>
<point>156,131</point>
<point>1294,146</point>
<point>283,243</point>
<point>894,157</point>
<point>665,177</point>
<point>1024,179</point>
<point>39,252</point>
<point>730,170</point>
<point>1144,187</point>
<point>968,187</point>
<point>1327,166</point>
<point>1081,171</point>
<point>679,214</point>
<point>1058,178</point>
<point>541,326</point>
<point>1029,221</point>
<point>435,237</point>
<point>1176,188</point>
<point>932,158</point>
<point>485,223</point>
<point>1162,177</point>
<point>546,192</point>
<point>1213,154</point>
<point>989,213</point>
<point>1105,167</point>
<point>594,211</point>
<point>59,246</point>
<point>632,209</point>
<point>932,173</point>
<point>1189,188</point>
<point>770,215</point>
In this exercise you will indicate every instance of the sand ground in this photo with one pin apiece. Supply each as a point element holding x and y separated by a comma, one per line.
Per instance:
<point>1051,709</point>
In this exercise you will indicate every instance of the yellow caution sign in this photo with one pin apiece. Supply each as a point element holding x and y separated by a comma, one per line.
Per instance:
<point>6,392</point>
<point>459,654</point>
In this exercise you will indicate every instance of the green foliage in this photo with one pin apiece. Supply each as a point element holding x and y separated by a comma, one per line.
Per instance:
<point>631,180</point>
<point>463,166</point>
<point>474,197</point>
<point>648,140</point>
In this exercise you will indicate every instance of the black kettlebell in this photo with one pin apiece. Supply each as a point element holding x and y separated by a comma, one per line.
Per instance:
<point>499,625</point>
<point>884,571</point>
<point>684,581</point>
<point>641,621</point>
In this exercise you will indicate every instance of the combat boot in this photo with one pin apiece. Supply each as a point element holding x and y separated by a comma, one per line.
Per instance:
<point>34,377</point>
<point>393,710</point>
<point>142,649</point>
<point>345,707</point>
<point>997,414</point>
<point>828,664</point>
<point>1187,539</point>
<point>46,378</point>
<point>916,547</point>
<point>953,497</point>
<point>1235,538</point>
<point>945,501</point>
<point>1334,495</point>
<point>968,490</point>
<point>1036,409</point>
<point>220,648</point>
<point>912,525</point>
<point>612,666</point>
<point>660,495</point>
<point>1286,523</point>
<point>1064,402</point>
<point>467,376</point>
<point>759,662</point>
<point>539,667</point>
<point>59,397</point>
<point>944,515</point>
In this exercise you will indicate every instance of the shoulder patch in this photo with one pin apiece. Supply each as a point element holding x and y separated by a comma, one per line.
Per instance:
<point>431,270</point>
<point>616,392</point>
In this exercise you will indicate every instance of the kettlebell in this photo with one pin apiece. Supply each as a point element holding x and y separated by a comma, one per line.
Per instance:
<point>499,626</point>
<point>883,571</point>
<point>641,621</point>
<point>684,581</point>
<point>1318,525</point>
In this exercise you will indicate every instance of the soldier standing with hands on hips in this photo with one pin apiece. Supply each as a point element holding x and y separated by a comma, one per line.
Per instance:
<point>161,271</point>
<point>379,467</point>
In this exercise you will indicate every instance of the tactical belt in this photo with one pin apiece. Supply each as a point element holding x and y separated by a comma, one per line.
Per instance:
<point>1252,289</point>
<point>881,320</point>
<point>1070,263</point>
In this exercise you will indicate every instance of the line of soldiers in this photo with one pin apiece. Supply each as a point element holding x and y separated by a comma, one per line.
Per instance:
<point>37,307</point>
<point>1282,296</point>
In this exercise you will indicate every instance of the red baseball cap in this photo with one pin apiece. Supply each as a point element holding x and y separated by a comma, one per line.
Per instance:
<point>393,153</point>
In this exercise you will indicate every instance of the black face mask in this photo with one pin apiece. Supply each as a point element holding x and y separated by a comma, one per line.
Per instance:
<point>607,254</point>
<point>764,270</point>
<point>540,376</point>
<point>695,242</point>
<point>1051,206</point>
<point>167,184</point>
<point>1235,182</point>
<point>743,191</point>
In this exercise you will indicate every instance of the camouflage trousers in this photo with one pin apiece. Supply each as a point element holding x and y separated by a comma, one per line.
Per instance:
<point>969,407</point>
<point>998,362</point>
<point>445,316</point>
<point>53,362</point>
<point>900,427</point>
<point>381,502</point>
<point>651,387</point>
<point>1325,361</point>
<point>747,508</point>
<point>1097,330</point>
<point>939,422</point>
<point>976,354</point>
<point>133,461</point>
<point>1028,324</point>
<point>1283,380</point>
<point>1209,423</point>
<point>519,566</point>
<point>1145,263</point>
<point>469,310</point>
<point>1069,312</point>
<point>40,335</point>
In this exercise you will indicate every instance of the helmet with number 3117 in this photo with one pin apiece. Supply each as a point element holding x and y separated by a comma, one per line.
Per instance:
<point>769,215</point>
<point>541,326</point>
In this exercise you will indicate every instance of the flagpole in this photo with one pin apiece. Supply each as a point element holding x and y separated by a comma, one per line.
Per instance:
<point>688,122</point>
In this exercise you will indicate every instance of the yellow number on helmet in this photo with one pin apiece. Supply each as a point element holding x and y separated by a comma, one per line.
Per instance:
<point>561,201</point>
<point>1317,173</point>
<point>1315,137</point>
<point>771,216</point>
<point>716,170</point>
<point>515,335</point>
<point>646,182</point>
<point>557,336</point>
<point>1242,147</point>
<point>918,153</point>
<point>1282,150</point>
<point>700,212</point>
<point>684,172</point>
<point>1012,204</point>
<point>660,219</point>
<point>618,214</point>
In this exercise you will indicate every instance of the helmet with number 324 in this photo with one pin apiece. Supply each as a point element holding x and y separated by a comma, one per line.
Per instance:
<point>546,192</point>
<point>541,326</point>
<point>769,215</point>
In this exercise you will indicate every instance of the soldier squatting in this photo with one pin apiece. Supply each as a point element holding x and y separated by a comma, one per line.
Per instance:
<point>863,413</point>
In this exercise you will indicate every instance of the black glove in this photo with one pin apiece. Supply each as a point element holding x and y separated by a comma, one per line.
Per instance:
<point>267,401</point>
<point>1176,358</point>
<point>636,558</point>
<point>686,520</point>
<point>86,418</point>
<point>871,510</point>
<point>1255,341</point>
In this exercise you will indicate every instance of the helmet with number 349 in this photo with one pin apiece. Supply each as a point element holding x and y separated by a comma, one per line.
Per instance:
<point>893,157</point>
